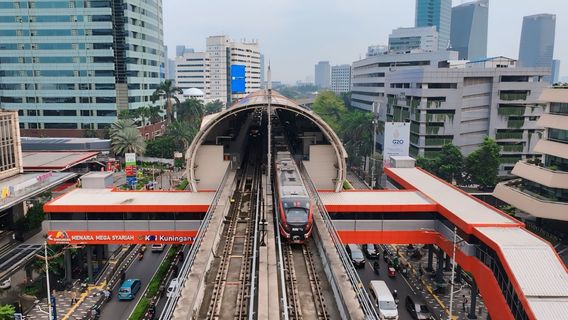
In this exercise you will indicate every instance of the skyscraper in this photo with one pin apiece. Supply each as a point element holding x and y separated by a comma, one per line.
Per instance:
<point>68,66</point>
<point>537,40</point>
<point>436,13</point>
<point>323,75</point>
<point>341,78</point>
<point>468,33</point>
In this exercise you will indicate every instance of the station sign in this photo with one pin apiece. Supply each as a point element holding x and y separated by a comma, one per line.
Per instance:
<point>120,237</point>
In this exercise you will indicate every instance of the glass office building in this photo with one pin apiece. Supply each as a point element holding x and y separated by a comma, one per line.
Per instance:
<point>469,29</point>
<point>71,65</point>
<point>436,13</point>
<point>537,41</point>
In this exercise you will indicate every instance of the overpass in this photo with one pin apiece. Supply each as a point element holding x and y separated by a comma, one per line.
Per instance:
<point>519,274</point>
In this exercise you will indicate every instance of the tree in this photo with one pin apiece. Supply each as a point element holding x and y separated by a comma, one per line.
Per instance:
<point>426,164</point>
<point>357,135</point>
<point>182,134</point>
<point>191,111</point>
<point>127,140</point>
<point>143,113</point>
<point>155,114</point>
<point>119,125</point>
<point>168,91</point>
<point>482,165</point>
<point>331,108</point>
<point>449,164</point>
<point>214,107</point>
<point>161,147</point>
<point>7,312</point>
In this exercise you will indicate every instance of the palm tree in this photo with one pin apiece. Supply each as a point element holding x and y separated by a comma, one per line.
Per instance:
<point>182,133</point>
<point>119,125</point>
<point>144,114</point>
<point>127,140</point>
<point>191,110</point>
<point>155,114</point>
<point>168,91</point>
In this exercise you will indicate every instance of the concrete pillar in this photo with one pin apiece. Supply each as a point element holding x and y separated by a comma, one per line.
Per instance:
<point>473,300</point>
<point>68,269</point>
<point>458,273</point>
<point>89,250</point>
<point>430,268</point>
<point>439,266</point>
<point>448,264</point>
<point>99,256</point>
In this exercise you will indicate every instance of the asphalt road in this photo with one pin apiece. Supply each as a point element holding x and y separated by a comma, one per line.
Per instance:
<point>399,283</point>
<point>143,270</point>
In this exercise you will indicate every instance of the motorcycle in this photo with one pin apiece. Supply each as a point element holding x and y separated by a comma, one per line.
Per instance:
<point>376,267</point>
<point>140,256</point>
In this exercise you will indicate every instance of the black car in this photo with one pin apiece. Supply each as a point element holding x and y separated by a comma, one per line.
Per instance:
<point>356,255</point>
<point>371,251</point>
<point>417,307</point>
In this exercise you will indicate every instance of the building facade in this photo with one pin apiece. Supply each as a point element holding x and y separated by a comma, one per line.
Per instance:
<point>468,34</point>
<point>193,70</point>
<point>555,71</point>
<point>368,75</point>
<point>68,66</point>
<point>341,78</point>
<point>436,13</point>
<point>541,189</point>
<point>537,41</point>
<point>463,103</point>
<point>322,75</point>
<point>403,40</point>
<point>10,147</point>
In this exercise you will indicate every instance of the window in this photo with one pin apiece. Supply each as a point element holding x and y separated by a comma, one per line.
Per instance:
<point>105,99</point>
<point>558,135</point>
<point>59,113</point>
<point>104,86</point>
<point>559,108</point>
<point>106,113</point>
<point>60,125</point>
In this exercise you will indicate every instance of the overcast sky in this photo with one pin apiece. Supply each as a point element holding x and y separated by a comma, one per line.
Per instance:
<point>296,34</point>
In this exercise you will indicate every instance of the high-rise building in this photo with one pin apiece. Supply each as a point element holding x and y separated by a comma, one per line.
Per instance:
<point>537,41</point>
<point>68,66</point>
<point>10,148</point>
<point>322,75</point>
<point>341,78</point>
<point>181,49</point>
<point>436,13</point>
<point>555,72</point>
<point>542,188</point>
<point>262,66</point>
<point>193,70</point>
<point>403,40</point>
<point>235,68</point>
<point>461,103</point>
<point>375,50</point>
<point>468,34</point>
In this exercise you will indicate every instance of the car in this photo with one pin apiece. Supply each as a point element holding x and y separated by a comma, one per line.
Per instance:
<point>357,257</point>
<point>383,300</point>
<point>371,251</point>
<point>417,307</point>
<point>156,247</point>
<point>6,284</point>
<point>174,284</point>
<point>129,288</point>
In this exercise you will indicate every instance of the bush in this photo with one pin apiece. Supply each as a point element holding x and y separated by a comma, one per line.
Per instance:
<point>183,185</point>
<point>140,309</point>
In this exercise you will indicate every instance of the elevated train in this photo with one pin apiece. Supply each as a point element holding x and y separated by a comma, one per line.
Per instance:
<point>293,202</point>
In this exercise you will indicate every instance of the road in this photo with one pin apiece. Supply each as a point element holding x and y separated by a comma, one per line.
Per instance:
<point>143,270</point>
<point>399,283</point>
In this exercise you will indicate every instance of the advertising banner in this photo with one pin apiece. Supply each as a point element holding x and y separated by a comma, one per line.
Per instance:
<point>397,140</point>
<point>120,237</point>
<point>130,159</point>
<point>238,78</point>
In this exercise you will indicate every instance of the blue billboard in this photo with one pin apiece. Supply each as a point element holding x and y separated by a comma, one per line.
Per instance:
<point>237,78</point>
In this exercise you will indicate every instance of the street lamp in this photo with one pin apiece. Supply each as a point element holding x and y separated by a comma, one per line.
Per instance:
<point>49,302</point>
<point>455,243</point>
<point>375,122</point>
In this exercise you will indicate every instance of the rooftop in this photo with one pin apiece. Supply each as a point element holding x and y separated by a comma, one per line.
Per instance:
<point>26,185</point>
<point>377,201</point>
<point>109,200</point>
<point>54,161</point>
<point>64,144</point>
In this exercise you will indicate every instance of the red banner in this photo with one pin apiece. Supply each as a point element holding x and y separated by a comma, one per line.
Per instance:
<point>120,237</point>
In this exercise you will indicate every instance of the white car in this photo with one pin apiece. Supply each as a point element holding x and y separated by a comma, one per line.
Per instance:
<point>174,284</point>
<point>6,284</point>
<point>158,247</point>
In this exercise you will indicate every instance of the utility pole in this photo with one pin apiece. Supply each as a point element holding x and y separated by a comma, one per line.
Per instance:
<point>269,153</point>
<point>373,161</point>
<point>453,274</point>
<point>49,302</point>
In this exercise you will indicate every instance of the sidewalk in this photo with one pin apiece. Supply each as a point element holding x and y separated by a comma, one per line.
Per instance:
<point>87,299</point>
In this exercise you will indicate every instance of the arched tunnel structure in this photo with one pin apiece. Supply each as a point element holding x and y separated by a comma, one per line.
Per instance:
<point>222,140</point>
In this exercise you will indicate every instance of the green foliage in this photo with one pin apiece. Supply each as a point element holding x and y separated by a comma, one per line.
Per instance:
<point>214,107</point>
<point>182,134</point>
<point>183,185</point>
<point>161,147</point>
<point>7,312</point>
<point>140,310</point>
<point>449,164</point>
<point>297,92</point>
<point>168,91</point>
<point>191,110</point>
<point>32,220</point>
<point>357,135</point>
<point>425,163</point>
<point>482,165</point>
<point>330,108</point>
<point>126,139</point>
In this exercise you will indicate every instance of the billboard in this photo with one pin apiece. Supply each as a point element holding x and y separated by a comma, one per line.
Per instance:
<point>238,78</point>
<point>120,237</point>
<point>397,140</point>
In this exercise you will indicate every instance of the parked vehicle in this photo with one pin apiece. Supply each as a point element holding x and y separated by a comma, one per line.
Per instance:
<point>6,284</point>
<point>417,308</point>
<point>128,289</point>
<point>383,300</point>
<point>371,251</point>
<point>174,284</point>
<point>356,255</point>
<point>391,272</point>
<point>157,247</point>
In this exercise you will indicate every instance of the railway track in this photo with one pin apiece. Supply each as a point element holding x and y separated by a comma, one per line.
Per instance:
<point>232,284</point>
<point>303,287</point>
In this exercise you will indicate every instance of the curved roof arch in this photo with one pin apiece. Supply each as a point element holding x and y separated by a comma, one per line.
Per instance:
<point>259,99</point>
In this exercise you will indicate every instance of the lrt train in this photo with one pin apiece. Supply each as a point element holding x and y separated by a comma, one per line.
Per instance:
<point>293,202</point>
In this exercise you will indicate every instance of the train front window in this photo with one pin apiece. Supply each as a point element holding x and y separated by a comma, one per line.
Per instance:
<point>297,216</point>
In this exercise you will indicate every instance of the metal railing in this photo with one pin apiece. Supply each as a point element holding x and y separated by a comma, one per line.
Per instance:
<point>253,287</point>
<point>358,287</point>
<point>171,303</point>
<point>282,278</point>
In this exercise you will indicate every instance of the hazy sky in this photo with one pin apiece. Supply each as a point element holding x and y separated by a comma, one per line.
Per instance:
<point>296,34</point>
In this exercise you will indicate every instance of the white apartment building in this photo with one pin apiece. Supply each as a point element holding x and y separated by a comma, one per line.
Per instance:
<point>223,54</point>
<point>403,40</point>
<point>193,70</point>
<point>463,102</point>
<point>10,148</point>
<point>341,78</point>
